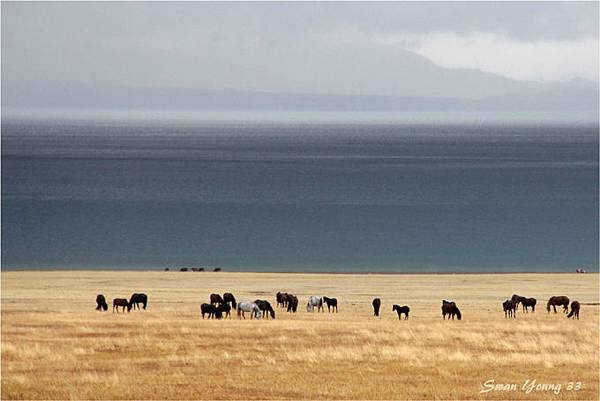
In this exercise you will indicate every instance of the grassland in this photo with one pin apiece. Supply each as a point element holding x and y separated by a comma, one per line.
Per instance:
<point>56,346</point>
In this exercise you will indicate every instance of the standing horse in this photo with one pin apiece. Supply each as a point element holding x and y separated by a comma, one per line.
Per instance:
<point>121,302</point>
<point>528,303</point>
<point>449,308</point>
<point>558,300</point>
<point>212,311</point>
<point>215,299</point>
<point>313,301</point>
<point>137,299</point>
<point>225,309</point>
<point>101,303</point>
<point>509,307</point>
<point>376,305</point>
<point>517,299</point>
<point>265,307</point>
<point>331,304</point>
<point>292,303</point>
<point>282,299</point>
<point>574,310</point>
<point>248,307</point>
<point>400,310</point>
<point>228,298</point>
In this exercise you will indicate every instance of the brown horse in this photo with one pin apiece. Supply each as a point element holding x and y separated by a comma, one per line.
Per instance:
<point>450,309</point>
<point>282,299</point>
<point>215,299</point>
<point>292,303</point>
<point>574,310</point>
<point>401,309</point>
<point>228,298</point>
<point>101,303</point>
<point>225,309</point>
<point>510,308</point>
<point>528,303</point>
<point>121,302</point>
<point>558,300</point>
<point>376,305</point>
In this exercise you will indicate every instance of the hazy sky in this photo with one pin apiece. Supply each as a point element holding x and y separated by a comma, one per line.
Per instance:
<point>292,46</point>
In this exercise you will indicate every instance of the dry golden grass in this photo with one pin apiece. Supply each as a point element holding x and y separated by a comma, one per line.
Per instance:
<point>55,346</point>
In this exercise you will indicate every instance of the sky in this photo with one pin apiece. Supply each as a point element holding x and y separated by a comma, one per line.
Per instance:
<point>339,48</point>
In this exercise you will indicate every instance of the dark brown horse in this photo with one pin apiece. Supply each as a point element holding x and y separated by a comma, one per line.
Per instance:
<point>401,309</point>
<point>292,303</point>
<point>376,305</point>
<point>228,298</point>
<point>510,308</point>
<point>331,304</point>
<point>574,310</point>
<point>528,303</point>
<point>212,311</point>
<point>225,309</point>
<point>450,309</point>
<point>121,302</point>
<point>137,299</point>
<point>266,308</point>
<point>282,299</point>
<point>215,299</point>
<point>101,303</point>
<point>558,300</point>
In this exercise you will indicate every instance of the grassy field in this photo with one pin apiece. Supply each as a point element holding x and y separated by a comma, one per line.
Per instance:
<point>56,346</point>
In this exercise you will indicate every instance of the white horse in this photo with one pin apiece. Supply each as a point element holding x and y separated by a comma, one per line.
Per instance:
<point>250,307</point>
<point>315,301</point>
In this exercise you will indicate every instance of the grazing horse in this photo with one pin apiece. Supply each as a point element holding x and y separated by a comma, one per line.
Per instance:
<point>101,303</point>
<point>137,299</point>
<point>574,310</point>
<point>450,308</point>
<point>121,302</point>
<point>228,298</point>
<point>509,307</point>
<point>248,307</point>
<point>265,307</point>
<point>313,301</point>
<point>331,304</point>
<point>558,300</point>
<point>376,305</point>
<point>292,303</point>
<point>282,299</point>
<point>215,299</point>
<point>517,299</point>
<point>225,309</point>
<point>527,303</point>
<point>401,309</point>
<point>212,311</point>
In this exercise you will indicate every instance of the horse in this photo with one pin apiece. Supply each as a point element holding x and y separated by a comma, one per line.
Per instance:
<point>313,301</point>
<point>212,311</point>
<point>137,299</point>
<point>265,307</point>
<point>331,304</point>
<point>101,303</point>
<point>558,300</point>
<point>228,298</point>
<point>528,302</point>
<point>376,305</point>
<point>401,309</point>
<point>574,310</point>
<point>509,307</point>
<point>450,308</point>
<point>248,307</point>
<point>225,309</point>
<point>121,302</point>
<point>292,303</point>
<point>215,299</point>
<point>282,299</point>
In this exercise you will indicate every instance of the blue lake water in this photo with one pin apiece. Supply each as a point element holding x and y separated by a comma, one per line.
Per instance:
<point>299,197</point>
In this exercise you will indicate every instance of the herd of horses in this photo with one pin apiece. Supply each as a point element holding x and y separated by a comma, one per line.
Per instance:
<point>510,306</point>
<point>220,306</point>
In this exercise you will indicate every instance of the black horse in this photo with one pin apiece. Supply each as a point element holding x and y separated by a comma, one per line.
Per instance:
<point>121,302</point>
<point>331,304</point>
<point>282,299</point>
<point>509,306</point>
<point>292,303</point>
<point>215,299</point>
<point>376,306</point>
<point>137,299</point>
<point>225,309</point>
<point>528,303</point>
<point>228,298</point>
<point>265,307</point>
<point>449,308</point>
<point>575,306</point>
<point>210,310</point>
<point>401,309</point>
<point>101,303</point>
<point>558,300</point>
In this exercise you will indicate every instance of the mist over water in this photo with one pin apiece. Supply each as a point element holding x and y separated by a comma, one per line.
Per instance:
<point>299,197</point>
